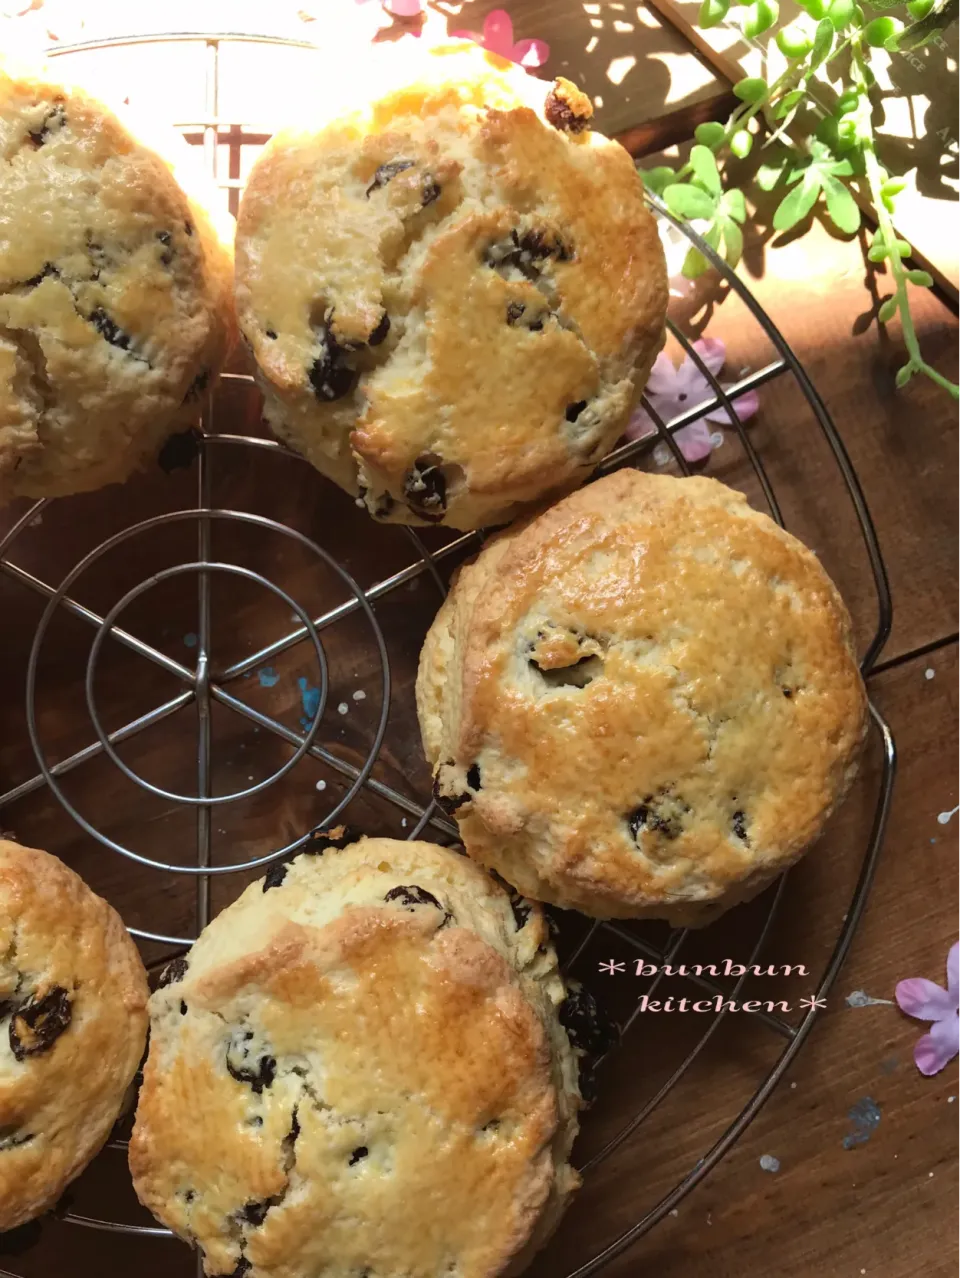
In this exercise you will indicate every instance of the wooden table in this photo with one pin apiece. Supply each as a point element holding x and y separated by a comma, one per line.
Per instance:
<point>882,1208</point>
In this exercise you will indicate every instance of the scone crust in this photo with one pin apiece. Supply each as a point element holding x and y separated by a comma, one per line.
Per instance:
<point>59,1102</point>
<point>720,719</point>
<point>115,295</point>
<point>419,1102</point>
<point>452,303</point>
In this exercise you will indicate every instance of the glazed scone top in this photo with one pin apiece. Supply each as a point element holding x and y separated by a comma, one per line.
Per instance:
<point>73,1023</point>
<point>360,1064</point>
<point>656,691</point>
<point>115,307</point>
<point>494,280</point>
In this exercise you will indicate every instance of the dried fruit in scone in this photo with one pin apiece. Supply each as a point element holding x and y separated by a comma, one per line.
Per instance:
<point>643,702</point>
<point>73,1023</point>
<point>115,295</point>
<point>454,293</point>
<point>360,1068</point>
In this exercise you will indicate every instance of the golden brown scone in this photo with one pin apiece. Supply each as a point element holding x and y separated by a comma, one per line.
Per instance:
<point>360,1068</point>
<point>73,1023</point>
<point>115,295</point>
<point>454,293</point>
<point>644,702</point>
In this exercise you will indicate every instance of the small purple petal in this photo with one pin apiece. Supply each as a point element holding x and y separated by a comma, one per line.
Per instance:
<point>498,33</point>
<point>639,425</point>
<point>403,8</point>
<point>939,1047</point>
<point>712,351</point>
<point>692,383</point>
<point>923,1000</point>
<point>746,405</point>
<point>694,440</point>
<point>530,53</point>
<point>953,974</point>
<point>663,376</point>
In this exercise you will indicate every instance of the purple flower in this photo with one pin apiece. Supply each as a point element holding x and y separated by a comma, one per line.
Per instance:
<point>497,37</point>
<point>925,1001</point>
<point>674,391</point>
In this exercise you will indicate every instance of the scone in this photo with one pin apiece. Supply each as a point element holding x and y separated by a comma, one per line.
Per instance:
<point>115,295</point>
<point>360,1069</point>
<point>454,293</point>
<point>73,1024</point>
<point>644,702</point>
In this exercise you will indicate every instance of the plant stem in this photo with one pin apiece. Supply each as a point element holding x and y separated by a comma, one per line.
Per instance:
<point>876,177</point>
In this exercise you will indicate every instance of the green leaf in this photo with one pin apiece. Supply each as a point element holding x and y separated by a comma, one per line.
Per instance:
<point>732,242</point>
<point>904,249</point>
<point>793,41</point>
<point>903,376</point>
<point>848,101</point>
<point>710,134</point>
<point>893,186</point>
<point>887,310</point>
<point>688,202</point>
<point>846,133</point>
<point>877,253</point>
<point>795,206</point>
<point>694,265</point>
<point>734,205</point>
<point>741,144</point>
<point>704,165</point>
<point>656,179</point>
<point>712,13</point>
<point>752,89</point>
<point>840,14</point>
<point>712,234</point>
<point>822,42</point>
<point>768,175</point>
<point>918,9</point>
<point>788,102</point>
<point>922,279</point>
<point>761,16</point>
<point>880,30</point>
<point>816,8</point>
<point>841,206</point>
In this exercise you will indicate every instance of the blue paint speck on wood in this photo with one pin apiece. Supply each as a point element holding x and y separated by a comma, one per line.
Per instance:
<point>309,700</point>
<point>865,1117</point>
<point>769,1163</point>
<point>268,677</point>
<point>190,640</point>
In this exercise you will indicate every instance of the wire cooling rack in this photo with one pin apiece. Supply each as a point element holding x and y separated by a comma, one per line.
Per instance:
<point>204,685</point>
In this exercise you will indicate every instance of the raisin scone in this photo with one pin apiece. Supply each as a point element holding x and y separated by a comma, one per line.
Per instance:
<point>454,294</point>
<point>73,1024</point>
<point>115,295</point>
<point>644,702</point>
<point>360,1068</point>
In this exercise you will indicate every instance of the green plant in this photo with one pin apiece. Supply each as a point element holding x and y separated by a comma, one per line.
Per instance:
<point>832,147</point>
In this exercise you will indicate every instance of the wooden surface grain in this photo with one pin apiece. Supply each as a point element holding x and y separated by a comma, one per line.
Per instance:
<point>873,1209</point>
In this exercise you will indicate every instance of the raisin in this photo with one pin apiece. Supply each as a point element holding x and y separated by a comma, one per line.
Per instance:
<point>271,333</point>
<point>330,377</point>
<point>514,311</point>
<point>386,172</point>
<point>180,450</point>
<point>522,909</point>
<point>243,1267</point>
<point>166,239</point>
<point>53,122</point>
<point>589,1029</point>
<point>647,817</point>
<point>337,836</point>
<point>574,410</point>
<point>381,331</point>
<point>108,330</point>
<point>188,228</point>
<point>430,190</point>
<point>425,488</point>
<point>275,875</point>
<point>358,1154</point>
<point>175,971</point>
<point>411,896</point>
<point>258,1074</point>
<point>560,113</point>
<point>183,1008</point>
<point>39,1023</point>
<point>448,803</point>
<point>473,776</point>
<point>787,692</point>
<point>739,823</point>
<point>255,1213</point>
